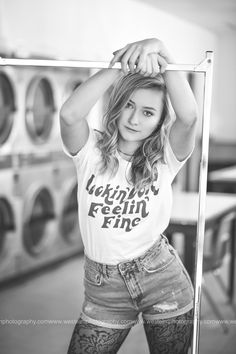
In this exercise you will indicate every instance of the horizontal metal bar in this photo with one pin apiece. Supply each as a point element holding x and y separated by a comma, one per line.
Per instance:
<point>88,64</point>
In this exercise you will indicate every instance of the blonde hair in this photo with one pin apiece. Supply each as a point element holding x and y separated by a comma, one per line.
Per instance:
<point>144,160</point>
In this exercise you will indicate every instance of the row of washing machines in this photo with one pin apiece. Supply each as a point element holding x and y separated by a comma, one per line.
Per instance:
<point>38,189</point>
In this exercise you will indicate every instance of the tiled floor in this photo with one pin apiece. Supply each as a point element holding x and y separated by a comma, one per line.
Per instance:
<point>42,310</point>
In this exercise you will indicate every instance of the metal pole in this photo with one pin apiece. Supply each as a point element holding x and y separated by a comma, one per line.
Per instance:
<point>202,201</point>
<point>87,64</point>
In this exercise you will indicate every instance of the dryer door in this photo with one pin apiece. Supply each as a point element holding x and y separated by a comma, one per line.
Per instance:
<point>39,213</point>
<point>7,223</point>
<point>69,219</point>
<point>40,109</point>
<point>7,107</point>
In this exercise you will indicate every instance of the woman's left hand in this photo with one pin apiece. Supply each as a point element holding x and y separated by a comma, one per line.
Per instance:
<point>148,57</point>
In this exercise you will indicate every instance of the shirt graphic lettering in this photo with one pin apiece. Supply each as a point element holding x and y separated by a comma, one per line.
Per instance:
<point>120,208</point>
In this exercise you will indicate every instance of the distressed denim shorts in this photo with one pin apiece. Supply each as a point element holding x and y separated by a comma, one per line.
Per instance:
<point>156,285</point>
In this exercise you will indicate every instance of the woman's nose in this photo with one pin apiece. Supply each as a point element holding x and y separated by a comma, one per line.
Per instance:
<point>133,119</point>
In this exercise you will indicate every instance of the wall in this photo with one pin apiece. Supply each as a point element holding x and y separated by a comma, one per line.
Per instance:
<point>92,29</point>
<point>225,129</point>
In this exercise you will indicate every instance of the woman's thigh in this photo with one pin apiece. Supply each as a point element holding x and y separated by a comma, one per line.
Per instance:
<point>89,338</point>
<point>170,336</point>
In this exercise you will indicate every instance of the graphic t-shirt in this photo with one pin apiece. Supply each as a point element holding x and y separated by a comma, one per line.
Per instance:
<point>118,223</point>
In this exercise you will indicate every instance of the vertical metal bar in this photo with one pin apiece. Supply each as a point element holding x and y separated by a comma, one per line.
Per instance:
<point>202,202</point>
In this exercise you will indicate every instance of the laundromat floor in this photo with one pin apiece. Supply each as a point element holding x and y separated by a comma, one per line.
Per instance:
<point>39,313</point>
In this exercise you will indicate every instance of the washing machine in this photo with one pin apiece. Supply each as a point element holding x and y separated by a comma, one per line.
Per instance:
<point>44,226</point>
<point>28,111</point>
<point>69,240</point>
<point>10,214</point>
<point>30,101</point>
<point>39,229</point>
<point>41,93</point>
<point>37,111</point>
<point>66,81</point>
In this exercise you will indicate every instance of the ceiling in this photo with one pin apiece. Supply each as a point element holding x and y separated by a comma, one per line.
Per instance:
<point>216,15</point>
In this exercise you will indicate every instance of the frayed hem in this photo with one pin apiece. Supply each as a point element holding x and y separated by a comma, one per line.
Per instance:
<point>167,315</point>
<point>116,324</point>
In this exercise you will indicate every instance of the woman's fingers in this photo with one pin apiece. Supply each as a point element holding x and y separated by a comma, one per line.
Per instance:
<point>142,62</point>
<point>155,65</point>
<point>148,67</point>
<point>117,56</point>
<point>127,56</point>
<point>136,58</point>
<point>162,62</point>
<point>126,59</point>
<point>133,60</point>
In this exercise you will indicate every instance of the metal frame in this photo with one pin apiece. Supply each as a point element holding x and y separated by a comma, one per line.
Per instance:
<point>205,67</point>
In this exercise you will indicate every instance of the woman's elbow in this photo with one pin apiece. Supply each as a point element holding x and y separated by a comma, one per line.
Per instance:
<point>193,116</point>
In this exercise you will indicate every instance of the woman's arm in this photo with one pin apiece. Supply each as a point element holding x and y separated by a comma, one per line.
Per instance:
<point>73,114</point>
<point>148,57</point>
<point>183,130</point>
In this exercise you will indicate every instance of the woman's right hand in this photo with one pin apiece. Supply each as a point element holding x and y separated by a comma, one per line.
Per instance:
<point>148,57</point>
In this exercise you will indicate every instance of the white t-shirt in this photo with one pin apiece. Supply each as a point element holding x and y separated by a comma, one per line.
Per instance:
<point>118,223</point>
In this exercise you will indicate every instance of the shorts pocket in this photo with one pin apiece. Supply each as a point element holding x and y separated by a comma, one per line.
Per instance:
<point>160,262</point>
<point>92,276</point>
<point>184,270</point>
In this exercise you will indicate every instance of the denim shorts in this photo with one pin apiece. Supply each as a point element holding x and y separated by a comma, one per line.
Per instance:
<point>156,285</point>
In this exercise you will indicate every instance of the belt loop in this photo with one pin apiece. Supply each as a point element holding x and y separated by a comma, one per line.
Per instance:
<point>139,264</point>
<point>100,268</point>
<point>165,239</point>
<point>107,272</point>
<point>104,269</point>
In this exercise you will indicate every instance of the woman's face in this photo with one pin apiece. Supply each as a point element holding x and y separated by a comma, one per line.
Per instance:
<point>140,117</point>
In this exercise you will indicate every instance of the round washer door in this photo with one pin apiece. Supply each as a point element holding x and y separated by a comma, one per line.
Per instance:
<point>7,108</point>
<point>40,109</point>
<point>7,223</point>
<point>38,216</point>
<point>69,219</point>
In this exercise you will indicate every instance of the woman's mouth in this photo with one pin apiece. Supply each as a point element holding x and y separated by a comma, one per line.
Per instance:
<point>131,130</point>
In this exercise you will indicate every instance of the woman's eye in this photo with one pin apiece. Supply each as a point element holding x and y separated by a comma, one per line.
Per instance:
<point>147,113</point>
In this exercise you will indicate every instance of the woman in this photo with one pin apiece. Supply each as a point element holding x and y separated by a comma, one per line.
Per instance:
<point>124,196</point>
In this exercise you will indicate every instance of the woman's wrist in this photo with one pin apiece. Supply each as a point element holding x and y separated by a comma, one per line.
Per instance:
<point>165,53</point>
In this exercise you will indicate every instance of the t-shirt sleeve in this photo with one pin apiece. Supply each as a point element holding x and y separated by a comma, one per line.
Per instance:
<point>173,163</point>
<point>86,150</point>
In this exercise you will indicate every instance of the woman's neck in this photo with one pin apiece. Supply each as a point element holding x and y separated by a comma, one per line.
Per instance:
<point>127,148</point>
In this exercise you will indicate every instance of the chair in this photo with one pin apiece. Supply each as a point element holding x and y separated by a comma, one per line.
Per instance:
<point>213,260</point>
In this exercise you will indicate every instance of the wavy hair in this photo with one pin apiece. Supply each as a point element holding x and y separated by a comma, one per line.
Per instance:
<point>144,160</point>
